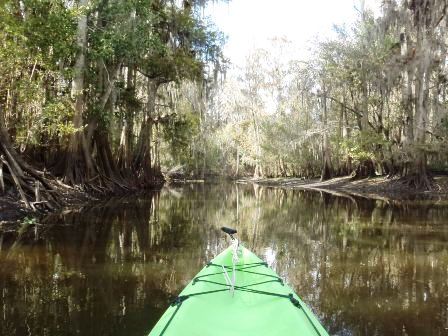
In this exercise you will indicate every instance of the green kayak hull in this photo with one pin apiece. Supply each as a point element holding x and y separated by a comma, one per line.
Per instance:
<point>259,304</point>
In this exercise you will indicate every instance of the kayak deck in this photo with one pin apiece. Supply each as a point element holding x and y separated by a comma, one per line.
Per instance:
<point>260,303</point>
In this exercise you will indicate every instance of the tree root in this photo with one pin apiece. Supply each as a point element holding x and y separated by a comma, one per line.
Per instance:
<point>33,194</point>
<point>36,191</point>
<point>418,182</point>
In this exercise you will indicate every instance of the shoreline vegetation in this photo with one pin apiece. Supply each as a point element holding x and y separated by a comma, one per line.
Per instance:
<point>95,97</point>
<point>379,187</point>
<point>13,211</point>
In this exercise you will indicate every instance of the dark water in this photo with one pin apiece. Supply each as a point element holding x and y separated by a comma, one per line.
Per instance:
<point>365,267</point>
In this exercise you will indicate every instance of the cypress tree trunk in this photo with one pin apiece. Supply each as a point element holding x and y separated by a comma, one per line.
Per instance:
<point>78,162</point>
<point>426,18</point>
<point>326,172</point>
<point>124,155</point>
<point>237,168</point>
<point>142,162</point>
<point>419,171</point>
<point>406,95</point>
<point>258,171</point>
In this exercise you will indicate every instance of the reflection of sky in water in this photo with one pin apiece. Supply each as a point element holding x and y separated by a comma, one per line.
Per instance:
<point>364,266</point>
<point>269,256</point>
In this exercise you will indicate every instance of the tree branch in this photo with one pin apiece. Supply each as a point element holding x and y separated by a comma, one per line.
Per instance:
<point>358,113</point>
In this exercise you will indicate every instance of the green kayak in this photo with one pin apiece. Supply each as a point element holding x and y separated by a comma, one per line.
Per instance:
<point>237,294</point>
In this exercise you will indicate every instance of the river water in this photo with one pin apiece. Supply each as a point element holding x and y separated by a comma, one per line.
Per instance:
<point>365,267</point>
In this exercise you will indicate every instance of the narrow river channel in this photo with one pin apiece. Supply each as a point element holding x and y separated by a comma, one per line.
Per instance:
<point>365,267</point>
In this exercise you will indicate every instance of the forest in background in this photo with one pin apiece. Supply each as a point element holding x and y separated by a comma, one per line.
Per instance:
<point>89,89</point>
<point>104,95</point>
<point>370,101</point>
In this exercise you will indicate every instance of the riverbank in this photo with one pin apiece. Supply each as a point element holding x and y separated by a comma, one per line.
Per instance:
<point>14,211</point>
<point>376,187</point>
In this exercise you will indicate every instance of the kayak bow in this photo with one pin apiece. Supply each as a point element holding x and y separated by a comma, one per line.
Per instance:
<point>237,294</point>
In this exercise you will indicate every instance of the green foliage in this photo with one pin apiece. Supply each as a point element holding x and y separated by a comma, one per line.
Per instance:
<point>49,29</point>
<point>38,46</point>
<point>128,45</point>
<point>363,146</point>
<point>56,119</point>
<point>179,132</point>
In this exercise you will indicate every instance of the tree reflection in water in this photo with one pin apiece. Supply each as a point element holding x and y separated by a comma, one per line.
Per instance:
<point>366,267</point>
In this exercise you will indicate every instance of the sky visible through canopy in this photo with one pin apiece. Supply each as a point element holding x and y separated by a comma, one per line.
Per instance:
<point>250,24</point>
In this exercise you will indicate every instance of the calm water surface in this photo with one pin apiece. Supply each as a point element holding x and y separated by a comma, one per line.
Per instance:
<point>365,267</point>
